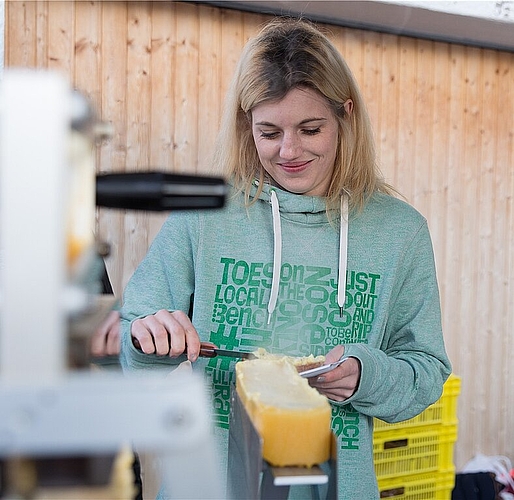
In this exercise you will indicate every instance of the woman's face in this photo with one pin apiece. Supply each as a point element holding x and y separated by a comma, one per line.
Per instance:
<point>297,140</point>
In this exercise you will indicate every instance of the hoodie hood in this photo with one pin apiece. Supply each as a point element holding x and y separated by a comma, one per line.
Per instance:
<point>296,207</point>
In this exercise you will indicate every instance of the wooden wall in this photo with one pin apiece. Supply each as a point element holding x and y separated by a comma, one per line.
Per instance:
<point>444,121</point>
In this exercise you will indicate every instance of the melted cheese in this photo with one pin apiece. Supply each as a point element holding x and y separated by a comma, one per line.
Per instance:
<point>292,418</point>
<point>300,362</point>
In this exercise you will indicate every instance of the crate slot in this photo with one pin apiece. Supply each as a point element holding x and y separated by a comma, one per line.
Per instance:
<point>399,443</point>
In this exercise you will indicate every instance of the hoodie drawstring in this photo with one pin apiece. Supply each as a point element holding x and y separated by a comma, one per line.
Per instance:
<point>343,255</point>
<point>277,254</point>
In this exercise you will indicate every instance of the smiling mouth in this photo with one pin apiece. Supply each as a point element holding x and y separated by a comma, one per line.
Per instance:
<point>294,166</point>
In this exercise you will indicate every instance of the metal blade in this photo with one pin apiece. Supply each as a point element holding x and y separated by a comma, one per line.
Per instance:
<point>314,372</point>
<point>234,354</point>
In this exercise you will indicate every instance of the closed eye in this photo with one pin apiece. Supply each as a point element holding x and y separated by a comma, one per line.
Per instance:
<point>274,135</point>
<point>312,131</point>
<point>269,135</point>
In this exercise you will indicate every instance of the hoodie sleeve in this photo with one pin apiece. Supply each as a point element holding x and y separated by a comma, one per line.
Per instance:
<point>163,280</point>
<point>406,375</point>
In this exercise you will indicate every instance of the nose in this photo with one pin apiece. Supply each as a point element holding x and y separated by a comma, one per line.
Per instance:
<point>291,146</point>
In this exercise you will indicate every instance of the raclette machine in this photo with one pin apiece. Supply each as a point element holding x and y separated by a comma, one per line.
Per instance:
<point>48,191</point>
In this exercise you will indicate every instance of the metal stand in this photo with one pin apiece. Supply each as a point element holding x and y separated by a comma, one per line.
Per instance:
<point>251,477</point>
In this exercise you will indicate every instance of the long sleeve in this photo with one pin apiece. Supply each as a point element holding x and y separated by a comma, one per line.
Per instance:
<point>163,280</point>
<point>405,375</point>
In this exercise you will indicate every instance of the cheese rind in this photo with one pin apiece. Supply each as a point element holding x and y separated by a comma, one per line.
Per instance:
<point>292,418</point>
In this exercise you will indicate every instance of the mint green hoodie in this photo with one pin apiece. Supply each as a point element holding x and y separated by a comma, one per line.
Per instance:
<point>221,264</point>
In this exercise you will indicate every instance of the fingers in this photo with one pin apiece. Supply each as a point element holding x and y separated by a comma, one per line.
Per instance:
<point>167,333</point>
<point>106,339</point>
<point>151,335</point>
<point>340,383</point>
<point>98,343</point>
<point>113,337</point>
<point>186,335</point>
<point>335,393</point>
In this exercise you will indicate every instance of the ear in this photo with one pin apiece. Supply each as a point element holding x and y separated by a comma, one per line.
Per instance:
<point>348,106</point>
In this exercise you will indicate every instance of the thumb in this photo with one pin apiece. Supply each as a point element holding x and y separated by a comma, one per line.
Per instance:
<point>335,354</point>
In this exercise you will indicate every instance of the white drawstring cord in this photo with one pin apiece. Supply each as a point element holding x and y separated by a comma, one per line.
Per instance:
<point>277,255</point>
<point>343,255</point>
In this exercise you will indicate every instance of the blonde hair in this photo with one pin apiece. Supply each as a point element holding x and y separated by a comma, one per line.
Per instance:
<point>286,54</point>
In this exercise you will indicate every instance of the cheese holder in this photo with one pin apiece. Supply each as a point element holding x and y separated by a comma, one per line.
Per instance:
<point>292,418</point>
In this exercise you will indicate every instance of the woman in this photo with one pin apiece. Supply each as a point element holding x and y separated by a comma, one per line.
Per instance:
<point>312,255</point>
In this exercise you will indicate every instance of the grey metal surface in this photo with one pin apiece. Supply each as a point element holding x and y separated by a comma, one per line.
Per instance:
<point>244,452</point>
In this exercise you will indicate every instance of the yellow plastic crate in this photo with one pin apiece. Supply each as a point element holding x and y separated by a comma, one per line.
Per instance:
<point>443,411</point>
<point>438,486</point>
<point>414,451</point>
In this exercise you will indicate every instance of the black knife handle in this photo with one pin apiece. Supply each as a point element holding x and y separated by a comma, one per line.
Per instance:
<point>159,191</point>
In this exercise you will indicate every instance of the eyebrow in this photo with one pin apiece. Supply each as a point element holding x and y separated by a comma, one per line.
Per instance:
<point>303,122</point>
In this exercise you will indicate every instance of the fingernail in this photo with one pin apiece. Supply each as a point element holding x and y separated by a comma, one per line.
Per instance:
<point>320,379</point>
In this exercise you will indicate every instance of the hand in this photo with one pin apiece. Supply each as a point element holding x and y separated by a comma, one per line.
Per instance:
<point>166,333</point>
<point>106,339</point>
<point>341,382</point>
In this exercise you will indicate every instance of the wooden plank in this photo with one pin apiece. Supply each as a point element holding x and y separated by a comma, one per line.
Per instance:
<point>407,106</point>
<point>138,84</point>
<point>162,103</point>
<point>251,25</point>
<point>209,84</point>
<point>20,25</point>
<point>162,85</point>
<point>388,113</point>
<point>113,82</point>
<point>352,52</point>
<point>61,36</point>
<point>186,89</point>
<point>486,335</point>
<point>232,41</point>
<point>494,269</point>
<point>87,40</point>
<point>423,95</point>
<point>42,36</point>
<point>469,256</point>
<point>113,153</point>
<point>138,125</point>
<point>440,146</point>
<point>453,213</point>
<point>371,79</point>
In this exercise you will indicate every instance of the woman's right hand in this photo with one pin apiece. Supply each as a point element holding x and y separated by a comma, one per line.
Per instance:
<point>166,333</point>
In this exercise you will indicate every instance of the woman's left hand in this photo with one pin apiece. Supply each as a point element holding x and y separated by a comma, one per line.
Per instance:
<point>106,339</point>
<point>341,382</point>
